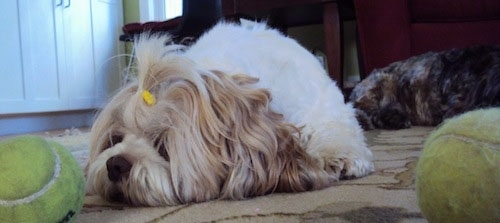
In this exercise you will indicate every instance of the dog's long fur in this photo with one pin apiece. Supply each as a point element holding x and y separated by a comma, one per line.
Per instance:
<point>214,132</point>
<point>425,89</point>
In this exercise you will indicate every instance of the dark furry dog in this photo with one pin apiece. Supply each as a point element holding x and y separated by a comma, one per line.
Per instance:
<point>425,89</point>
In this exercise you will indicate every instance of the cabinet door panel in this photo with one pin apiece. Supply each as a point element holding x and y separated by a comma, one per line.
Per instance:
<point>41,80</point>
<point>11,84</point>
<point>58,54</point>
<point>38,34</point>
<point>79,53</point>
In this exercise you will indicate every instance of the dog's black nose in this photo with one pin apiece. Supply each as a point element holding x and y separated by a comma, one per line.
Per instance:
<point>118,167</point>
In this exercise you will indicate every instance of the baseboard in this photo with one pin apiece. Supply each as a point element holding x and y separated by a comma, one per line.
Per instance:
<point>26,123</point>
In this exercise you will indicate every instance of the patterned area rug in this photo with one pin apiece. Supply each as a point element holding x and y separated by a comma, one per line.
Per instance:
<point>388,195</point>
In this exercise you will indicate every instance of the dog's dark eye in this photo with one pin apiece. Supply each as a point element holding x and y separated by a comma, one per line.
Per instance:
<point>113,140</point>
<point>160,146</point>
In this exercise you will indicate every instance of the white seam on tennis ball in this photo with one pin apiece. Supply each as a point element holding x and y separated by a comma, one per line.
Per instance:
<point>467,139</point>
<point>32,197</point>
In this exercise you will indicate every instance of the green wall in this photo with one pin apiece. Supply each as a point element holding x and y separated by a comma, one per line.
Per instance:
<point>131,11</point>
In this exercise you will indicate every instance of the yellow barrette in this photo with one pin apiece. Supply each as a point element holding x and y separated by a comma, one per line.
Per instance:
<point>148,98</point>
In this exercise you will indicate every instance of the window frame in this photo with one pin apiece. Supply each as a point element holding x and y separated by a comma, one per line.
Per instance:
<point>152,10</point>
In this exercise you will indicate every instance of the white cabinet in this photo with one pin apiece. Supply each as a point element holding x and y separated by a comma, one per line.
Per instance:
<point>58,55</point>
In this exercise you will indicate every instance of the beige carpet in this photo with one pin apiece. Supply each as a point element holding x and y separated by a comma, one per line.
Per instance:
<point>388,195</point>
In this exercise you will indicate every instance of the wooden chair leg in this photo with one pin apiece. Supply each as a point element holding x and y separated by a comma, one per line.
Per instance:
<point>332,27</point>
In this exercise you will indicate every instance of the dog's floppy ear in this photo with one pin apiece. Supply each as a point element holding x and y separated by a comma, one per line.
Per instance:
<point>224,141</point>
<point>214,132</point>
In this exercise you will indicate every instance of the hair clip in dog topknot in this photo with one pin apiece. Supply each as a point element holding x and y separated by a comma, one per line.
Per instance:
<point>148,98</point>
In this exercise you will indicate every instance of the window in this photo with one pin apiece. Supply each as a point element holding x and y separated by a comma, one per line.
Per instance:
<point>159,10</point>
<point>173,8</point>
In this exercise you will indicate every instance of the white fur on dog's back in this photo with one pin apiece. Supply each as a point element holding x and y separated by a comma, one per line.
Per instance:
<point>299,85</point>
<point>274,59</point>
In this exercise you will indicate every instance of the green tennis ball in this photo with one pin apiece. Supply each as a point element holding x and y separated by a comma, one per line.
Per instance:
<point>40,181</point>
<point>458,173</point>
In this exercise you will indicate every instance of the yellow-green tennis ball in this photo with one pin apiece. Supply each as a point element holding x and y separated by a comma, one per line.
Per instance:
<point>40,181</point>
<point>458,173</point>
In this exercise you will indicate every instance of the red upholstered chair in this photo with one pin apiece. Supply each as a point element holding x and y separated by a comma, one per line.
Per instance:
<point>392,30</point>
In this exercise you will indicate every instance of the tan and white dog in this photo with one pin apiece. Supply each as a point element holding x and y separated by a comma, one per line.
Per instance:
<point>199,123</point>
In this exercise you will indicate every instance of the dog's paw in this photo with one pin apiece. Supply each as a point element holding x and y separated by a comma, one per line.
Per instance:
<point>348,168</point>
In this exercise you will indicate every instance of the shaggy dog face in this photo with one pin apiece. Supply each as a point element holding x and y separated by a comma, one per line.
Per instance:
<point>199,123</point>
<point>425,89</point>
